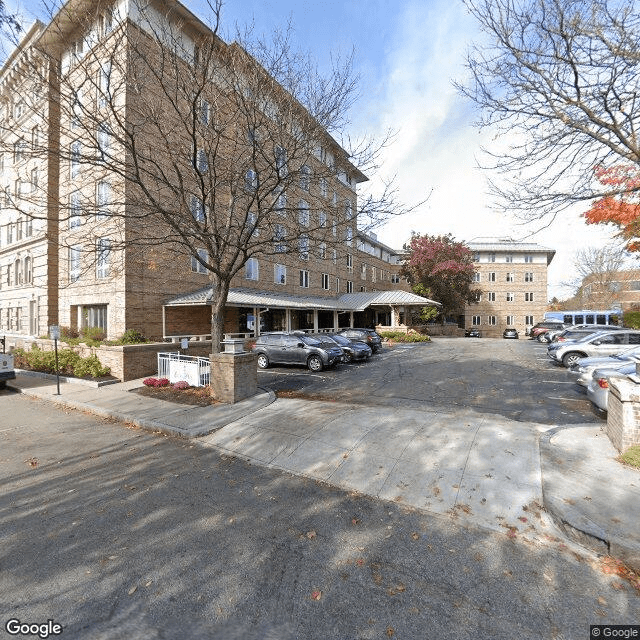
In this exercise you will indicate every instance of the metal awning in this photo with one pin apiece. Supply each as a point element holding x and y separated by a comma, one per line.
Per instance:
<point>242,297</point>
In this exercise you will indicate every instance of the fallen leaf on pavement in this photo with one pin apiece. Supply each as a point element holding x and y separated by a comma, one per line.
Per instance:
<point>415,536</point>
<point>390,632</point>
<point>32,462</point>
<point>311,534</point>
<point>316,595</point>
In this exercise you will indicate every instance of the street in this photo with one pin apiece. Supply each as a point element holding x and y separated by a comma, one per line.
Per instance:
<point>114,532</point>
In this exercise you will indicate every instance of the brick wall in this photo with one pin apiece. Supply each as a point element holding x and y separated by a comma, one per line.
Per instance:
<point>623,415</point>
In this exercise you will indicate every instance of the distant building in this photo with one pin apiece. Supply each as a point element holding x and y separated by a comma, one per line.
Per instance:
<point>612,289</point>
<point>513,279</point>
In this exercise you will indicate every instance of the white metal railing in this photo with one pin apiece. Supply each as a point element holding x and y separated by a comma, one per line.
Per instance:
<point>196,370</point>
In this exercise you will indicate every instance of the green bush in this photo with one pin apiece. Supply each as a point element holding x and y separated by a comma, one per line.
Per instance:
<point>93,335</point>
<point>401,336</point>
<point>70,363</point>
<point>631,319</point>
<point>67,333</point>
<point>130,336</point>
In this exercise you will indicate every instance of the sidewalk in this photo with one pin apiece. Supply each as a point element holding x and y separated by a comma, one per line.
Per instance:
<point>475,467</point>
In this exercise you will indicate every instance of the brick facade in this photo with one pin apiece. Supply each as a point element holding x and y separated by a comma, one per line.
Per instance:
<point>623,415</point>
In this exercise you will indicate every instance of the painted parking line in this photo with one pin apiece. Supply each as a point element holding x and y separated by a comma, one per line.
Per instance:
<point>572,399</point>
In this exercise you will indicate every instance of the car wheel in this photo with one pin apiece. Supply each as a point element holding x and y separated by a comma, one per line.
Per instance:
<point>3,384</point>
<point>541,338</point>
<point>348,357</point>
<point>314,363</point>
<point>571,358</point>
<point>263,361</point>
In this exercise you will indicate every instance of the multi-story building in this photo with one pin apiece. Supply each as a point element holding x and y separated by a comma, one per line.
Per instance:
<point>513,279</point>
<point>84,248</point>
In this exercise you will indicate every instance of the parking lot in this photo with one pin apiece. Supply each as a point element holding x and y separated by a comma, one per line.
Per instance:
<point>512,378</point>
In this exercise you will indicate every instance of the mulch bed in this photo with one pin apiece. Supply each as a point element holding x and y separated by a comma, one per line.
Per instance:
<point>195,396</point>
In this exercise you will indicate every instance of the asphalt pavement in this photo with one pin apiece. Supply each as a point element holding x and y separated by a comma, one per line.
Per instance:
<point>520,478</point>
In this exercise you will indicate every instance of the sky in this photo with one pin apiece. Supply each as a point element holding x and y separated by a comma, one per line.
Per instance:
<point>407,52</point>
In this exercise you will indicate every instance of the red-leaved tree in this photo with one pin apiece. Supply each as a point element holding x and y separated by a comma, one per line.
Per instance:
<point>622,207</point>
<point>441,268</point>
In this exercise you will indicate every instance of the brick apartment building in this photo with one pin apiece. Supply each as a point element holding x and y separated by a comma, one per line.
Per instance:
<point>77,247</point>
<point>513,280</point>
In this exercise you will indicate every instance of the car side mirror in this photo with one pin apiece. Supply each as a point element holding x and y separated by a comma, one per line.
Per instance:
<point>597,342</point>
<point>301,345</point>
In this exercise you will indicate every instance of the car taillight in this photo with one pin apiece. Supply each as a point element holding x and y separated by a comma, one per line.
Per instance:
<point>603,384</point>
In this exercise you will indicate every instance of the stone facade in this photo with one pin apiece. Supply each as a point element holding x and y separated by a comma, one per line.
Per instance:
<point>623,414</point>
<point>234,377</point>
<point>513,280</point>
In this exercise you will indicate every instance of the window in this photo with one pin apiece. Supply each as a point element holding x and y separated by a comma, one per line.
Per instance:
<point>476,277</point>
<point>94,316</point>
<point>528,320</point>
<point>103,197</point>
<point>105,23</point>
<point>197,209</point>
<point>76,148</point>
<point>528,276</point>
<point>492,320</point>
<point>9,233</point>
<point>75,210</point>
<point>511,320</point>
<point>252,223</point>
<point>475,321</point>
<point>198,264</point>
<point>76,109</point>
<point>9,274</point>
<point>528,258</point>
<point>528,297</point>
<point>509,296</point>
<point>492,276</point>
<point>19,150</point>
<point>349,262</point>
<point>250,180</point>
<point>322,219</point>
<point>103,139</point>
<point>349,286</point>
<point>478,296</point>
<point>303,213</point>
<point>204,112</point>
<point>509,277</point>
<point>492,257</point>
<point>281,162</point>
<point>348,210</point>
<point>28,271</point>
<point>74,263</point>
<point>476,256</point>
<point>491,296</point>
<point>323,187</point>
<point>203,163</point>
<point>304,278</point>
<point>279,238</point>
<point>279,274</point>
<point>35,138</point>
<point>335,256</point>
<point>325,281</point>
<point>322,250</point>
<point>363,271</point>
<point>17,272</point>
<point>281,203</point>
<point>508,257</point>
<point>348,236</point>
<point>373,274</point>
<point>252,269</point>
<point>35,179</point>
<point>337,285</point>
<point>104,77</point>
<point>334,229</point>
<point>395,278</point>
<point>103,257</point>
<point>305,177</point>
<point>303,247</point>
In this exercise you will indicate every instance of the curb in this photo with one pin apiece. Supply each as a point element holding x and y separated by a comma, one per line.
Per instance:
<point>578,527</point>
<point>257,402</point>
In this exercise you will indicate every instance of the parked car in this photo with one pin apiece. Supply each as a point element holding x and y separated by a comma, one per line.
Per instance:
<point>583,369</point>
<point>598,389</point>
<point>351,350</point>
<point>472,332</point>
<point>368,336</point>
<point>603,343</point>
<point>541,327</point>
<point>296,348</point>
<point>7,371</point>
<point>510,332</point>
<point>574,333</point>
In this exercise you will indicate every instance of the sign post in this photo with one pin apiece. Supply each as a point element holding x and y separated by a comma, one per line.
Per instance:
<point>54,333</point>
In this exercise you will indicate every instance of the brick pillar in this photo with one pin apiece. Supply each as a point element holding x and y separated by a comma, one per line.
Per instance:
<point>234,376</point>
<point>623,414</point>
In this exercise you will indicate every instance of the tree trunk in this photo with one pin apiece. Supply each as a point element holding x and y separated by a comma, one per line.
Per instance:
<point>218,301</point>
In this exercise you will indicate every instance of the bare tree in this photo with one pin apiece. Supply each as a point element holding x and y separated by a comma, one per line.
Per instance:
<point>558,79</point>
<point>218,152</point>
<point>600,275</point>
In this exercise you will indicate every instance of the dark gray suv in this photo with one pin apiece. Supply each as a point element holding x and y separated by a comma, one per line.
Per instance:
<point>296,348</point>
<point>368,336</point>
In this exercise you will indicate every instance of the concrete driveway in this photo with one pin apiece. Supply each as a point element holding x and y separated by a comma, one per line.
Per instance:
<point>453,436</point>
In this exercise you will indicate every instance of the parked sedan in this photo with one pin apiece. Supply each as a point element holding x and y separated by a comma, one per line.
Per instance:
<point>598,344</point>
<point>296,348</point>
<point>368,336</point>
<point>472,332</point>
<point>541,327</point>
<point>575,333</point>
<point>598,389</point>
<point>583,369</point>
<point>510,332</point>
<point>351,350</point>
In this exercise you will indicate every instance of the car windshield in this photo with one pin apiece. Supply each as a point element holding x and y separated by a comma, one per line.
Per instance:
<point>312,342</point>
<point>340,340</point>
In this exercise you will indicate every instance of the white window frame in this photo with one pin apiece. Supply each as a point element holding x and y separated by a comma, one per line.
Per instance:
<point>325,281</point>
<point>304,278</point>
<point>476,321</point>
<point>280,274</point>
<point>75,262</point>
<point>103,258</point>
<point>196,265</point>
<point>252,269</point>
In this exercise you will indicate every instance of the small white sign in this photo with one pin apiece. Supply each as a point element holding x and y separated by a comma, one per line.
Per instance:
<point>181,370</point>
<point>184,343</point>
<point>54,332</point>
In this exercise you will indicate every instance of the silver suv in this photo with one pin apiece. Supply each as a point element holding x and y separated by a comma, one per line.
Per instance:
<point>296,348</point>
<point>603,343</point>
